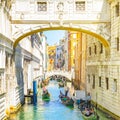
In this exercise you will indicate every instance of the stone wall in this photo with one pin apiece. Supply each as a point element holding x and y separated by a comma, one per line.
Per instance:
<point>103,69</point>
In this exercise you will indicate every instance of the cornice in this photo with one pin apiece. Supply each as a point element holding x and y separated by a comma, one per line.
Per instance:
<point>3,37</point>
<point>6,43</point>
<point>29,56</point>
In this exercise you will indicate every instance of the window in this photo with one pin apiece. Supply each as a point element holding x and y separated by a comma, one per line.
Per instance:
<point>99,81</point>
<point>95,49</point>
<point>6,61</point>
<point>88,78</point>
<point>80,5</point>
<point>11,60</point>
<point>89,50</point>
<point>0,83</point>
<point>117,10</point>
<point>107,83</point>
<point>101,48</point>
<point>118,42</point>
<point>42,6</point>
<point>93,86</point>
<point>115,85</point>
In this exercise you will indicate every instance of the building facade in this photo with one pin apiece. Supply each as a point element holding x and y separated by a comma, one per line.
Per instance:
<point>51,53</point>
<point>71,49</point>
<point>77,58</point>
<point>18,66</point>
<point>80,61</point>
<point>7,64</point>
<point>103,68</point>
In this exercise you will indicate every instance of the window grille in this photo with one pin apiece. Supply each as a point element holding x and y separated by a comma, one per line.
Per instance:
<point>42,6</point>
<point>80,6</point>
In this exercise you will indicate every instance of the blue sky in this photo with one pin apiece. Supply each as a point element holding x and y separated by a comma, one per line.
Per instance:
<point>53,36</point>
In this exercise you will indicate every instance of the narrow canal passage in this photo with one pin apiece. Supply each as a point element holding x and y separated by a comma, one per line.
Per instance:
<point>51,110</point>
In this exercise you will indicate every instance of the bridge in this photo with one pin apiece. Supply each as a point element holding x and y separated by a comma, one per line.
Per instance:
<point>68,75</point>
<point>61,15</point>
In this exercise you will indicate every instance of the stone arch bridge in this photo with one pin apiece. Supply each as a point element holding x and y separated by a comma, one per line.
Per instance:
<point>66,74</point>
<point>60,15</point>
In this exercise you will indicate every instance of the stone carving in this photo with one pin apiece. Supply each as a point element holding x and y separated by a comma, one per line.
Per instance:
<point>60,8</point>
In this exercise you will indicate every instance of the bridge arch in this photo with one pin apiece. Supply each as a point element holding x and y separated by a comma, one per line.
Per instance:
<point>60,76</point>
<point>18,36</point>
<point>65,74</point>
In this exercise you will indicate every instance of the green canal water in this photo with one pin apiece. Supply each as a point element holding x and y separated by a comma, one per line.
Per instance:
<point>51,110</point>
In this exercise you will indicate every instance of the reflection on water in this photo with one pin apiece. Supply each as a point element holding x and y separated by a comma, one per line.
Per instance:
<point>52,110</point>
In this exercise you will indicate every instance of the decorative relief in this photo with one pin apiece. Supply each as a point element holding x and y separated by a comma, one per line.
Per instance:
<point>60,7</point>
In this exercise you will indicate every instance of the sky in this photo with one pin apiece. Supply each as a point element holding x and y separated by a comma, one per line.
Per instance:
<point>53,36</point>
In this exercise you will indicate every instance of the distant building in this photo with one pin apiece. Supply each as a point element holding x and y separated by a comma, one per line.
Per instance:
<point>51,55</point>
<point>60,58</point>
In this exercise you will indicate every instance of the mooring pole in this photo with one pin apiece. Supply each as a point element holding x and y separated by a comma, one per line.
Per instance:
<point>34,92</point>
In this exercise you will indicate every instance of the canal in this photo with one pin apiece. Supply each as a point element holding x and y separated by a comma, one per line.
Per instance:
<point>51,110</point>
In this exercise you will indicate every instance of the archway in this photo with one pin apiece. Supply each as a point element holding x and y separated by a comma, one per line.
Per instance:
<point>67,75</point>
<point>59,78</point>
<point>20,35</point>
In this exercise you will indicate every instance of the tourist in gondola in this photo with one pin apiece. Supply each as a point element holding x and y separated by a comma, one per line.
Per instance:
<point>87,112</point>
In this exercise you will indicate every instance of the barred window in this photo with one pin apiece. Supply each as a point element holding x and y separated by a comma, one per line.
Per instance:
<point>101,48</point>
<point>118,42</point>
<point>115,86</point>
<point>42,6</point>
<point>93,85</point>
<point>89,50</point>
<point>117,10</point>
<point>95,49</point>
<point>107,83</point>
<point>99,81</point>
<point>80,5</point>
<point>88,78</point>
<point>0,83</point>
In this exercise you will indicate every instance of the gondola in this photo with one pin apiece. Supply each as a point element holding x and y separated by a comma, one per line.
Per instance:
<point>90,117</point>
<point>66,100</point>
<point>46,96</point>
<point>88,113</point>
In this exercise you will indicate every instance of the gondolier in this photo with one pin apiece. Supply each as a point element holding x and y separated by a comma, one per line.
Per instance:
<point>66,90</point>
<point>88,98</point>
